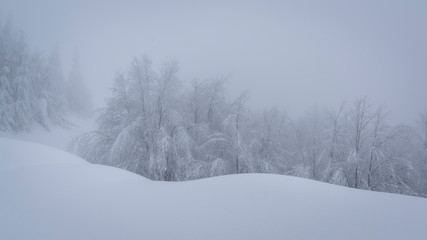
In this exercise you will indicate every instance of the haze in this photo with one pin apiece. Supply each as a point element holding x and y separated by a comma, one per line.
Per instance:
<point>288,54</point>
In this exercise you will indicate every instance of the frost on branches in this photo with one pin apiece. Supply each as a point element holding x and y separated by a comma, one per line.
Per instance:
<point>156,126</point>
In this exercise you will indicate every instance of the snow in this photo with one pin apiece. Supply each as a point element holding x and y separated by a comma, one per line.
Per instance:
<point>50,194</point>
<point>56,137</point>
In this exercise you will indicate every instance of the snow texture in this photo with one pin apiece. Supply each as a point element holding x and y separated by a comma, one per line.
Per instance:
<point>50,194</point>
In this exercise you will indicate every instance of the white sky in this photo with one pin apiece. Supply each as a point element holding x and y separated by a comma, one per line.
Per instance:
<point>290,54</point>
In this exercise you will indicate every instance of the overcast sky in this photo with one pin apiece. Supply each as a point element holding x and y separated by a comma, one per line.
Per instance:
<point>290,54</point>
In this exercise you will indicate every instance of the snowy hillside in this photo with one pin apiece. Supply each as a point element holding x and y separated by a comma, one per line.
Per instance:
<point>56,136</point>
<point>50,194</point>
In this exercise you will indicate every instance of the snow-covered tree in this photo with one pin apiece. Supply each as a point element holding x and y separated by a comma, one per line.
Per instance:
<point>31,84</point>
<point>16,92</point>
<point>422,128</point>
<point>154,126</point>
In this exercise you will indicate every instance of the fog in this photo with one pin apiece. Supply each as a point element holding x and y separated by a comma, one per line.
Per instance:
<point>288,54</point>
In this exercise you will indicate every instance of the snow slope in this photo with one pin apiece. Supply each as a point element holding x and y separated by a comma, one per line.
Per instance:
<point>50,194</point>
<point>56,136</point>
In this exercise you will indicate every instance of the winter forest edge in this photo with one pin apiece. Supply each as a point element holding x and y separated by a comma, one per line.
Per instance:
<point>159,127</point>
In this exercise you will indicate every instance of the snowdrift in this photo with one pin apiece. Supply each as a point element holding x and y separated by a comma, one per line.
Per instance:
<point>50,194</point>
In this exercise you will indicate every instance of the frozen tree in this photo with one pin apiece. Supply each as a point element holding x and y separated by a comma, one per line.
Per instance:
<point>116,116</point>
<point>137,139</point>
<point>360,119</point>
<point>334,117</point>
<point>266,141</point>
<point>31,84</point>
<point>167,85</point>
<point>272,124</point>
<point>315,147</point>
<point>143,78</point>
<point>156,127</point>
<point>422,125</point>
<point>16,93</point>
<point>216,91</point>
<point>196,96</point>
<point>309,139</point>
<point>337,145</point>
<point>234,129</point>
<point>379,139</point>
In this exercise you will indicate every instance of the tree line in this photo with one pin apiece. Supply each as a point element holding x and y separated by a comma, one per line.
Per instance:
<point>157,126</point>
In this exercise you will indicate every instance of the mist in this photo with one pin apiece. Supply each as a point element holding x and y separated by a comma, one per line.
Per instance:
<point>293,55</point>
<point>213,120</point>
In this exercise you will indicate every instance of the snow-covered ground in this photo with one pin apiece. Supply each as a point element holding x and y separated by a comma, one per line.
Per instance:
<point>56,137</point>
<point>50,194</point>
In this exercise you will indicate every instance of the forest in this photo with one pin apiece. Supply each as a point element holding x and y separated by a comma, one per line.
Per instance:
<point>170,129</point>
<point>33,89</point>
<point>158,127</point>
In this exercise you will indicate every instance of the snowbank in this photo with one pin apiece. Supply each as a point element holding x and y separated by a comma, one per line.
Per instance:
<point>50,194</point>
